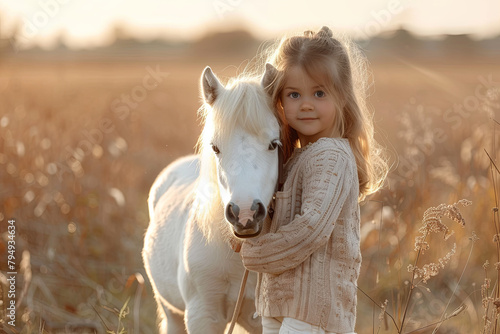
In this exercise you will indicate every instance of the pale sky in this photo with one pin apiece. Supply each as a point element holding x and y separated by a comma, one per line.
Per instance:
<point>87,23</point>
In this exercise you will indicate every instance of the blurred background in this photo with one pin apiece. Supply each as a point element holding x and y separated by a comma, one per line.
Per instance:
<point>97,97</point>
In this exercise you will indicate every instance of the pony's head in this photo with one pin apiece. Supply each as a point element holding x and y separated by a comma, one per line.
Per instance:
<point>239,155</point>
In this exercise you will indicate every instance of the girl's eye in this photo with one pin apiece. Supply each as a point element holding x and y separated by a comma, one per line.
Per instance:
<point>320,93</point>
<point>294,95</point>
<point>215,149</point>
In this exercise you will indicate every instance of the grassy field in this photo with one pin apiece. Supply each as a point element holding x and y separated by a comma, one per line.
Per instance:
<point>82,141</point>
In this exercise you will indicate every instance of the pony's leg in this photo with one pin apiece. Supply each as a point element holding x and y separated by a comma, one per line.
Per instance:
<point>174,324</point>
<point>248,319</point>
<point>170,322</point>
<point>206,315</point>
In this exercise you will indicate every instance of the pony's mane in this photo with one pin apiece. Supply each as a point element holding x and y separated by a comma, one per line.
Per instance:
<point>243,104</point>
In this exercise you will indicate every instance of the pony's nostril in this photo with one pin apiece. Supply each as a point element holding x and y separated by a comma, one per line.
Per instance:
<point>260,210</point>
<point>232,212</point>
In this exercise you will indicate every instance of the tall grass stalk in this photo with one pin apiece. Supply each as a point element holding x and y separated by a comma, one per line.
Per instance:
<point>495,297</point>
<point>431,223</point>
<point>473,240</point>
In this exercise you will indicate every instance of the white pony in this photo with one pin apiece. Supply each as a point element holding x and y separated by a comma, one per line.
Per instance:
<point>201,206</point>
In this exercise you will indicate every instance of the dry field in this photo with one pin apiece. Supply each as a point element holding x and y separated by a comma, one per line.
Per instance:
<point>81,141</point>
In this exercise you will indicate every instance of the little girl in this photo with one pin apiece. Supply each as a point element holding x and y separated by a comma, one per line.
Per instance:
<point>308,257</point>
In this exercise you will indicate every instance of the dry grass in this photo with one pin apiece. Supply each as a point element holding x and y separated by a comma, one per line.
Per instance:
<point>80,221</point>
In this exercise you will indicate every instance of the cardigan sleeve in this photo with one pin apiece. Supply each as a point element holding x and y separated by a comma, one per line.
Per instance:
<point>326,185</point>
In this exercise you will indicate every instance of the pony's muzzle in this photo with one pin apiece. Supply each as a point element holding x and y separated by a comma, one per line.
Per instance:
<point>246,228</point>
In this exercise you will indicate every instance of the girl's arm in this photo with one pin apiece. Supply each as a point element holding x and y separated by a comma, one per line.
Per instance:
<point>327,181</point>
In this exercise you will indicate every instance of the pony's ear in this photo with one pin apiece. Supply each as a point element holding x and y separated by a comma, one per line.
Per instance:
<point>268,77</point>
<point>210,85</point>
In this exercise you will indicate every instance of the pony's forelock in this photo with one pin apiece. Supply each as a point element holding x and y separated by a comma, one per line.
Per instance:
<point>240,105</point>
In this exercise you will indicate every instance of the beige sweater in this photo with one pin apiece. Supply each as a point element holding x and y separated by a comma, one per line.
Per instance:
<point>308,257</point>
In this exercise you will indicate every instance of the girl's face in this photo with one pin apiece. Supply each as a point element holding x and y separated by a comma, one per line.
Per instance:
<point>307,106</point>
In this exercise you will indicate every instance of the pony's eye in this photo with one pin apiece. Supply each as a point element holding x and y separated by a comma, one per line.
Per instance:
<point>215,149</point>
<point>273,145</point>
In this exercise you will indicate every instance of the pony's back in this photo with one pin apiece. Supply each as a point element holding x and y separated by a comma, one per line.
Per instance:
<point>182,171</point>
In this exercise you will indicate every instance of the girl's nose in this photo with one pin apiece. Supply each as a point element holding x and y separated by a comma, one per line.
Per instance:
<point>306,106</point>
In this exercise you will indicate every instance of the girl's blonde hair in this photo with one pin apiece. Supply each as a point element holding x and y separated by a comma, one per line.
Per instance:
<point>341,66</point>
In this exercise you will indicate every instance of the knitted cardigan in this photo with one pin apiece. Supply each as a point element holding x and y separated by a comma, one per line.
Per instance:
<point>308,257</point>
